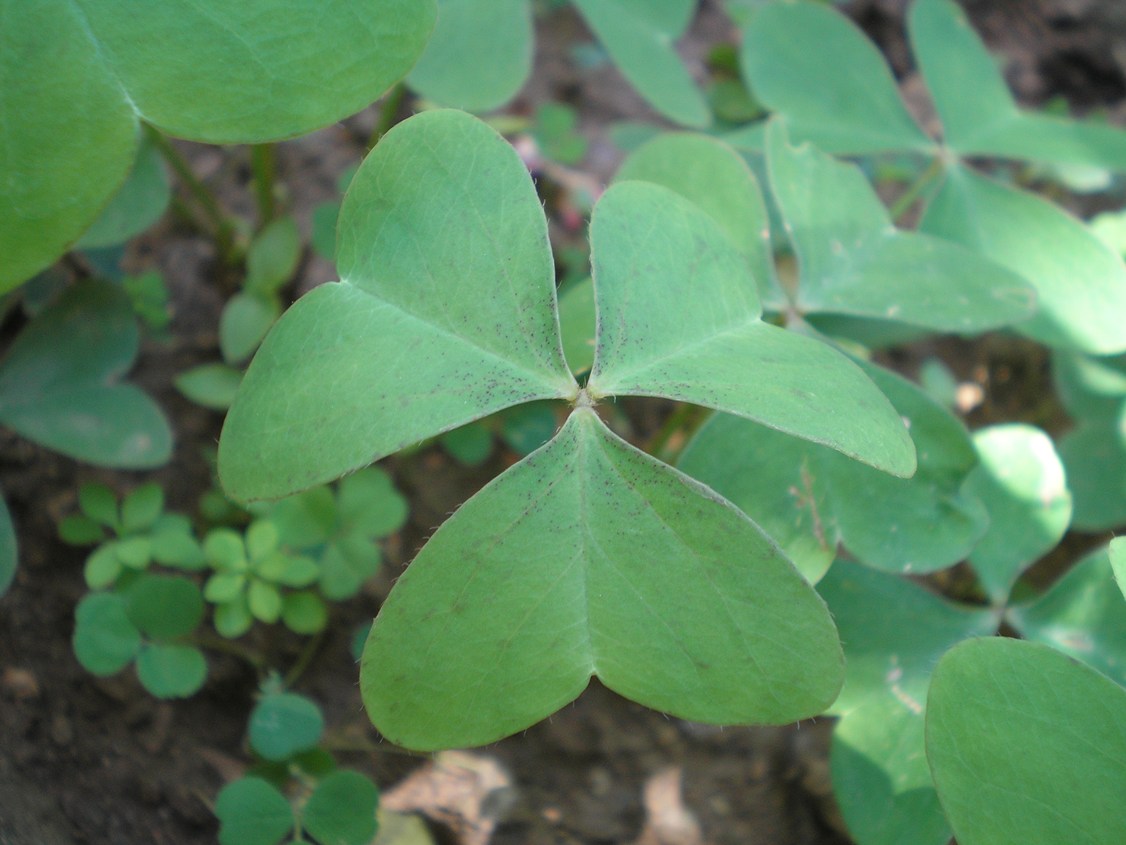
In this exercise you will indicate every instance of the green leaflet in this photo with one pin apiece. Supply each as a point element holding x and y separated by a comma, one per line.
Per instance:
<point>250,71</point>
<point>853,261</point>
<point>591,558</point>
<point>1021,481</point>
<point>1080,282</point>
<point>60,382</point>
<point>811,500</point>
<point>447,280</point>
<point>479,56</point>
<point>639,35</point>
<point>252,811</point>
<point>1027,746</point>
<point>813,65</point>
<point>679,317</point>
<point>717,179</point>
<point>1082,615</point>
<point>894,632</point>
<point>988,122</point>
<point>140,202</point>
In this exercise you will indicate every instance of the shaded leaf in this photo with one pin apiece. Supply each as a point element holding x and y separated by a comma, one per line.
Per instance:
<point>252,812</point>
<point>211,385</point>
<point>8,549</point>
<point>1081,615</point>
<point>244,322</point>
<point>105,641</point>
<point>164,607</point>
<point>479,55</point>
<point>283,724</point>
<point>139,203</point>
<point>60,383</point>
<point>638,36</point>
<point>341,810</point>
<point>171,671</point>
<point>251,71</point>
<point>811,499</point>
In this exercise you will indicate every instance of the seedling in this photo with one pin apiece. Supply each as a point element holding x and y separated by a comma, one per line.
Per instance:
<point>131,536</point>
<point>297,792</point>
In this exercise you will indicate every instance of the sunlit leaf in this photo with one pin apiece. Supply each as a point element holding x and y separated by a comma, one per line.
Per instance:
<point>1027,746</point>
<point>1080,282</point>
<point>1021,481</point>
<point>853,261</point>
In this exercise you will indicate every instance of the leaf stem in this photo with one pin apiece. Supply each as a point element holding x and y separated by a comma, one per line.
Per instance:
<point>682,420</point>
<point>263,164</point>
<point>303,659</point>
<point>388,111</point>
<point>907,199</point>
<point>222,227</point>
<point>217,643</point>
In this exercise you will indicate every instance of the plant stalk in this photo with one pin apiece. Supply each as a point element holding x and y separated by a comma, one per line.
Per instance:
<point>263,164</point>
<point>217,643</point>
<point>388,111</point>
<point>304,659</point>
<point>222,228</point>
<point>907,199</point>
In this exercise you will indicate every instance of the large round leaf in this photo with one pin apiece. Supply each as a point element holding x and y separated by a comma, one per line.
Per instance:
<point>1027,746</point>
<point>78,76</point>
<point>446,313</point>
<point>589,558</point>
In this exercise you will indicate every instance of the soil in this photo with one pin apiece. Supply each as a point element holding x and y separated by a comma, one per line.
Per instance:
<point>84,760</point>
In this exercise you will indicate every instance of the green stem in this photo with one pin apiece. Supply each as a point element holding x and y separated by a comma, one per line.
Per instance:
<point>680,420</point>
<point>915,189</point>
<point>263,163</point>
<point>226,646</point>
<point>222,228</point>
<point>303,659</point>
<point>388,111</point>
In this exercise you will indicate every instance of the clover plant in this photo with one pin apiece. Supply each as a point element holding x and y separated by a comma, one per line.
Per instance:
<point>208,71</point>
<point>295,790</point>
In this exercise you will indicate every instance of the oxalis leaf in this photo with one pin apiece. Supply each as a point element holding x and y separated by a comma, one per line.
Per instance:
<point>589,558</point>
<point>60,382</point>
<point>812,500</point>
<point>448,280</point>
<point>854,261</point>
<point>1080,282</point>
<point>679,317</point>
<point>207,70</point>
<point>1027,746</point>
<point>894,632</point>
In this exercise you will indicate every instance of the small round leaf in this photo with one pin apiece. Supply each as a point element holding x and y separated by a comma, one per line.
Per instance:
<point>171,671</point>
<point>105,641</point>
<point>252,812</point>
<point>283,724</point>
<point>163,606</point>
<point>342,808</point>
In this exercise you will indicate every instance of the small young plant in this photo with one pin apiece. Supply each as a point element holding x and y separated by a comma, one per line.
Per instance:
<point>129,536</point>
<point>296,791</point>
